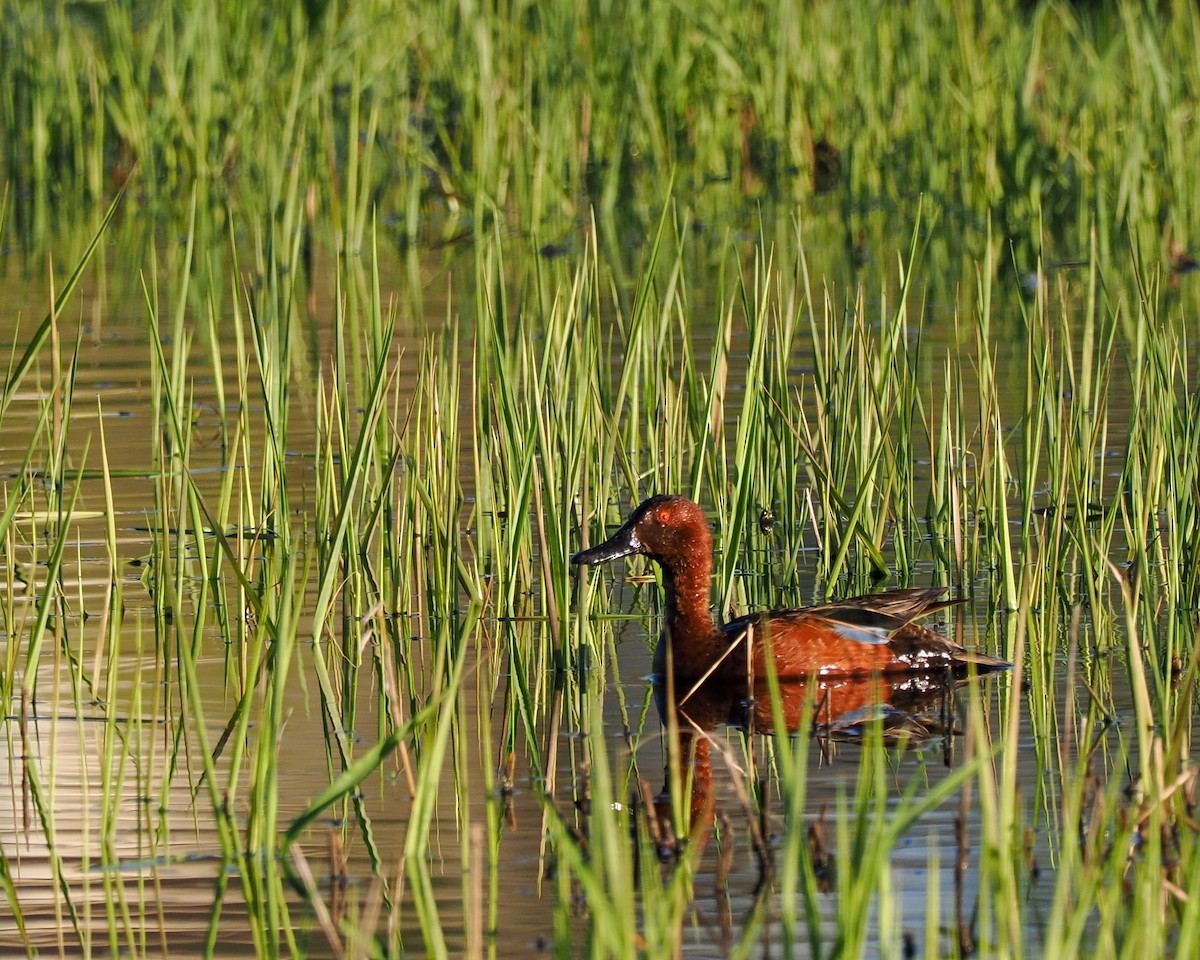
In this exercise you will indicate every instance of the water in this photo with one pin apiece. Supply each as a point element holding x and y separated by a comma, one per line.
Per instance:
<point>130,845</point>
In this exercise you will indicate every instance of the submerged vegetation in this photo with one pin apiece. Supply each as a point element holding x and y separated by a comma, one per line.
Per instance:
<point>406,302</point>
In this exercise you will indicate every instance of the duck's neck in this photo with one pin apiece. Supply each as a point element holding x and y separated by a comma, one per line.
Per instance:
<point>687,586</point>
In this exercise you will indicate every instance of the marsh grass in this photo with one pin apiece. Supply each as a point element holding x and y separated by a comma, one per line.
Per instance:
<point>403,581</point>
<point>529,119</point>
<point>1028,516</point>
<point>445,495</point>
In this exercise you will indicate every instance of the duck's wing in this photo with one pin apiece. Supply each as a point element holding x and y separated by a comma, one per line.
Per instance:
<point>906,604</point>
<point>844,622</point>
<point>873,618</point>
<point>857,637</point>
<point>855,623</point>
<point>890,617</point>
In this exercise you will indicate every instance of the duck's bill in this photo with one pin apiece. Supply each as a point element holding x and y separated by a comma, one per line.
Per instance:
<point>621,544</point>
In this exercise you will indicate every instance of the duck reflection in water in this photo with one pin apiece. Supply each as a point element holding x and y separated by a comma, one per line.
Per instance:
<point>914,708</point>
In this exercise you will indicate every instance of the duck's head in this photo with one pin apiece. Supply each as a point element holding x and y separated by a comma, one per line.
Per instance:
<point>666,528</point>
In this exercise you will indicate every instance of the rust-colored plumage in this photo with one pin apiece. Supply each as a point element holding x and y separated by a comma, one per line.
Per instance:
<point>873,634</point>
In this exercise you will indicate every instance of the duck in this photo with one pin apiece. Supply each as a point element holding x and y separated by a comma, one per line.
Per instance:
<point>875,634</point>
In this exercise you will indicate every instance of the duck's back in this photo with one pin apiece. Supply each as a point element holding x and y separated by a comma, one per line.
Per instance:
<point>876,633</point>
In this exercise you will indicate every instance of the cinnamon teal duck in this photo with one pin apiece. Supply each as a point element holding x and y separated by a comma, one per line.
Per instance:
<point>873,634</point>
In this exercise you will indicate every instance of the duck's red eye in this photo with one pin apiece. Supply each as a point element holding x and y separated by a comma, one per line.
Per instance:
<point>664,515</point>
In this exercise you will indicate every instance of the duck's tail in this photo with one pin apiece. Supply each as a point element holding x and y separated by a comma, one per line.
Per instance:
<point>980,662</point>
